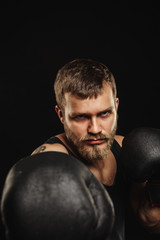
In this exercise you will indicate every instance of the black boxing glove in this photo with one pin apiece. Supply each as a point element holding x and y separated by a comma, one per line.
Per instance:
<point>53,196</point>
<point>140,156</point>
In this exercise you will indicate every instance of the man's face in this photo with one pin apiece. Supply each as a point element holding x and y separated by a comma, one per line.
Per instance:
<point>90,124</point>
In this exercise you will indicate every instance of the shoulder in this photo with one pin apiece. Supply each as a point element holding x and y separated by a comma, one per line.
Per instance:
<point>119,139</point>
<point>56,147</point>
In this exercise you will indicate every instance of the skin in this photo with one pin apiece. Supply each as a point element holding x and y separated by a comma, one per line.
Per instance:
<point>90,117</point>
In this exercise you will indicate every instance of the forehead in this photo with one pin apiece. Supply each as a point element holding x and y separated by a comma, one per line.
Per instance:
<point>103,101</point>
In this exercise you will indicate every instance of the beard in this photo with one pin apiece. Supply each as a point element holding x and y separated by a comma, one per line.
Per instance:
<point>90,155</point>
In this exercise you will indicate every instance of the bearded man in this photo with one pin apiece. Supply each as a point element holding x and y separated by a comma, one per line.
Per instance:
<point>87,106</point>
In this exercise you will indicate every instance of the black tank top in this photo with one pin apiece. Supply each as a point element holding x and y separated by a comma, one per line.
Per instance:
<point>117,191</point>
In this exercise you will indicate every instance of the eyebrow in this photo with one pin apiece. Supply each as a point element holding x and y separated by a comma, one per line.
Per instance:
<point>106,110</point>
<point>74,114</point>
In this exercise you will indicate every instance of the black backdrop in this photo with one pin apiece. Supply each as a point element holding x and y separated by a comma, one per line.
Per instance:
<point>38,38</point>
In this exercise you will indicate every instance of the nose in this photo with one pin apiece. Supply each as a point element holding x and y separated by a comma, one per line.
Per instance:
<point>94,126</point>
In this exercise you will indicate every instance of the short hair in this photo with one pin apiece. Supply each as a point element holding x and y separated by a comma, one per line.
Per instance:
<point>84,78</point>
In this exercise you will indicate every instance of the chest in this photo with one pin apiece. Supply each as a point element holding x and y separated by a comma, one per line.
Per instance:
<point>106,170</point>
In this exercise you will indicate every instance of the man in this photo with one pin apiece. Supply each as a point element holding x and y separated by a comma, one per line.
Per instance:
<point>87,107</point>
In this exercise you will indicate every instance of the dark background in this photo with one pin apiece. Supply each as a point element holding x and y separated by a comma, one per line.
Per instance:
<point>38,38</point>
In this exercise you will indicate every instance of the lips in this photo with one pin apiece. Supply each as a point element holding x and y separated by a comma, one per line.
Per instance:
<point>95,141</point>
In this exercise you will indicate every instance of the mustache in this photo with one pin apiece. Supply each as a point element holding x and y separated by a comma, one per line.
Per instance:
<point>95,137</point>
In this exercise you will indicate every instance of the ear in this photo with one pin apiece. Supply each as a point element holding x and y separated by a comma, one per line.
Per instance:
<point>59,113</point>
<point>116,103</point>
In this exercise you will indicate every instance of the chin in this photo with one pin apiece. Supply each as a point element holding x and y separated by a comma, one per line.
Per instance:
<point>94,154</point>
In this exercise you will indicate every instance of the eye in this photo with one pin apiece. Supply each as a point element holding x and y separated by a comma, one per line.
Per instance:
<point>81,117</point>
<point>105,113</point>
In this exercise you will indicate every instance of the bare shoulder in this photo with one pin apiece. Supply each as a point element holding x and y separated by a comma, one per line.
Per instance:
<point>119,139</point>
<point>56,147</point>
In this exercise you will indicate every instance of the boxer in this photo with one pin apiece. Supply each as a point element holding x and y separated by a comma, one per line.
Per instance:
<point>87,106</point>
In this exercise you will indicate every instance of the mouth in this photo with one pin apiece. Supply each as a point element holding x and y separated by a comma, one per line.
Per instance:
<point>95,141</point>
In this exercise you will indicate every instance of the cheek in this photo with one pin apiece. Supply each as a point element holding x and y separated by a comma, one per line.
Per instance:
<point>77,128</point>
<point>80,129</point>
<point>110,123</point>
<point>114,121</point>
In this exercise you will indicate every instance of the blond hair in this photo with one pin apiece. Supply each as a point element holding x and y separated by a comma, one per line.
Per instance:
<point>84,78</point>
